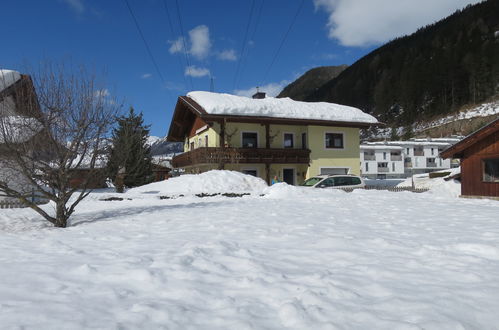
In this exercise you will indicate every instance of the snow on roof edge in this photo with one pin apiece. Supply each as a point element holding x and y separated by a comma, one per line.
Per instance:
<point>227,104</point>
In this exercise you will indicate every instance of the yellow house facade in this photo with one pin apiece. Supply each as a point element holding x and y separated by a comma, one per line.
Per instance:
<point>268,137</point>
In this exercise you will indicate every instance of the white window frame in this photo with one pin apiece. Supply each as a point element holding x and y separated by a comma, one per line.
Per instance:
<point>334,132</point>
<point>294,140</point>
<point>257,138</point>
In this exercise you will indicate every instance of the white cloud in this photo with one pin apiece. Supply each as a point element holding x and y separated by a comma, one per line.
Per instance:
<point>196,72</point>
<point>177,46</point>
<point>146,76</point>
<point>367,22</point>
<point>227,55</point>
<point>76,5</point>
<point>200,41</point>
<point>272,89</point>
<point>102,93</point>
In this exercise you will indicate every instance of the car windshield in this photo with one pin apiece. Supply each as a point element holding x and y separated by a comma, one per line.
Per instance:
<point>310,182</point>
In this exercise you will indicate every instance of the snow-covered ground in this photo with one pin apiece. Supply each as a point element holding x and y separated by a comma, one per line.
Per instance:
<point>483,110</point>
<point>296,257</point>
<point>439,186</point>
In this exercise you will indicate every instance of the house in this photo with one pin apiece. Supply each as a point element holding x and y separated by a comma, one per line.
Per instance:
<point>401,159</point>
<point>266,137</point>
<point>18,109</point>
<point>479,154</point>
<point>381,161</point>
<point>161,168</point>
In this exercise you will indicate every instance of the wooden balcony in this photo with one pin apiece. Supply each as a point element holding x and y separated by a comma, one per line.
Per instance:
<point>212,155</point>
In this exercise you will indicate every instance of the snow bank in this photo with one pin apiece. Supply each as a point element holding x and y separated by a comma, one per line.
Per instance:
<point>208,182</point>
<point>226,104</point>
<point>324,259</point>
<point>438,186</point>
<point>7,78</point>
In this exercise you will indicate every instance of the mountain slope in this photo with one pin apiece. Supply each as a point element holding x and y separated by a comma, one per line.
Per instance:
<point>429,74</point>
<point>311,81</point>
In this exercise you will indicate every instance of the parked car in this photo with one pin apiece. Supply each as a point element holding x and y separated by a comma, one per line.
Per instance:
<point>335,181</point>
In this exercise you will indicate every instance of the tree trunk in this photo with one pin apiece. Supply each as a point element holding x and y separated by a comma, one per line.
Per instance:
<point>61,216</point>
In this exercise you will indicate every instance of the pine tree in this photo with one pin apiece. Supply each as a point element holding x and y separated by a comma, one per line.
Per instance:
<point>130,152</point>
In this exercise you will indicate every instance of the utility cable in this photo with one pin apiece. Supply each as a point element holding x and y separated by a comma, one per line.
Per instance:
<point>244,43</point>
<point>282,41</point>
<point>145,42</point>
<point>183,41</point>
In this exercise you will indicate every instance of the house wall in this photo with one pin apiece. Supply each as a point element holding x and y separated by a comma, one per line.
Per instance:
<point>199,139</point>
<point>275,170</point>
<point>395,168</point>
<point>320,157</point>
<point>472,183</point>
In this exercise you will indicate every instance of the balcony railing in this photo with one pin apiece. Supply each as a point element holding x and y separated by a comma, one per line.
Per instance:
<point>369,157</point>
<point>418,152</point>
<point>383,169</point>
<point>428,164</point>
<point>395,157</point>
<point>212,155</point>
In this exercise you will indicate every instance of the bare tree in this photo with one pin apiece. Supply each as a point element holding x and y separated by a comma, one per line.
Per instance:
<point>52,123</point>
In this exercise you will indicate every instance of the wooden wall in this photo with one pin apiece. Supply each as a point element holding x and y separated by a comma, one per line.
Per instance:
<point>472,167</point>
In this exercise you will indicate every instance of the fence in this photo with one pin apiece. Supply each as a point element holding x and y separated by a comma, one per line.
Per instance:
<point>17,204</point>
<point>388,188</point>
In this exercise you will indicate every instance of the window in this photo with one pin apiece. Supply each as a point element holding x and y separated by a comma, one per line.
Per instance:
<point>393,167</point>
<point>367,167</point>
<point>418,151</point>
<point>491,170</point>
<point>192,145</point>
<point>250,172</point>
<point>311,181</point>
<point>206,140</point>
<point>250,140</point>
<point>304,140</point>
<point>384,155</point>
<point>407,150</point>
<point>432,151</point>
<point>288,140</point>
<point>334,140</point>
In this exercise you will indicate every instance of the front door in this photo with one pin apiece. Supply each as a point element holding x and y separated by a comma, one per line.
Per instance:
<point>288,175</point>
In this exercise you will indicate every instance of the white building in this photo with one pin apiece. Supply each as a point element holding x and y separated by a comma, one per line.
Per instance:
<point>381,161</point>
<point>399,159</point>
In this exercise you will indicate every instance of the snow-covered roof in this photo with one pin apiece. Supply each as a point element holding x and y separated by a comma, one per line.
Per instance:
<point>7,78</point>
<point>226,104</point>
<point>411,143</point>
<point>18,129</point>
<point>378,147</point>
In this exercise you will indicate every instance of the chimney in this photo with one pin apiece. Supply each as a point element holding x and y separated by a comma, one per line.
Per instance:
<point>258,94</point>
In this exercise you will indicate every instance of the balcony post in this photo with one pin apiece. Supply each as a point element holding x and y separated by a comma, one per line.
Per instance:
<point>267,135</point>
<point>222,133</point>
<point>267,173</point>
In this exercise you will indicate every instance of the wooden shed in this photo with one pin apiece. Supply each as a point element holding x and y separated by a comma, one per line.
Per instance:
<point>479,154</point>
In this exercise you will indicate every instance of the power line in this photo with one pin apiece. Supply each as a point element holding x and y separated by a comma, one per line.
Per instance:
<point>244,43</point>
<point>282,41</point>
<point>183,41</point>
<point>167,12</point>
<point>145,42</point>
<point>251,39</point>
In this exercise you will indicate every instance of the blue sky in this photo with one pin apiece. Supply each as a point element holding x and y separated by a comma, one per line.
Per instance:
<point>102,35</point>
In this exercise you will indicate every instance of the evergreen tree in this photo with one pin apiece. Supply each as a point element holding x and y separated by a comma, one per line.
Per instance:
<point>130,152</point>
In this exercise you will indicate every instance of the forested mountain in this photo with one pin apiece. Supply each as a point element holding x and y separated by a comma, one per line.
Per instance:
<point>310,81</point>
<point>431,73</point>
